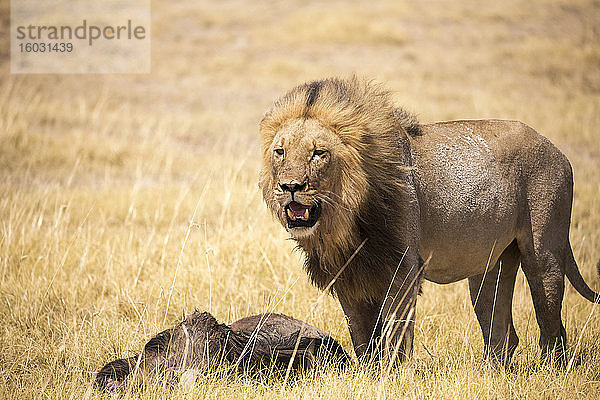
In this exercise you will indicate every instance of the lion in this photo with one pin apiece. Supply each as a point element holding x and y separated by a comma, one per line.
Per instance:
<point>368,193</point>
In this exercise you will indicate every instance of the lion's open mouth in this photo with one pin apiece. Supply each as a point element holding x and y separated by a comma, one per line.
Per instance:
<point>299,215</point>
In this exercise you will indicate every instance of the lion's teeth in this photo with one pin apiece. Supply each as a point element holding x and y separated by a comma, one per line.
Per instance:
<point>291,214</point>
<point>306,214</point>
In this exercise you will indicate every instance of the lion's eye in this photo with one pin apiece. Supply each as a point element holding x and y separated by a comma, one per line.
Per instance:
<point>319,153</point>
<point>279,152</point>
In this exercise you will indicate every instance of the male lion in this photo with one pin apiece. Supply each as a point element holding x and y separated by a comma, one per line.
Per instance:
<point>365,190</point>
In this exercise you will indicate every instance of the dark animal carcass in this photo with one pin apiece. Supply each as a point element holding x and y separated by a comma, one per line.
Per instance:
<point>199,341</point>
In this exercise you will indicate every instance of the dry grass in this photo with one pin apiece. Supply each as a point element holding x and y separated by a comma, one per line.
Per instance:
<point>126,201</point>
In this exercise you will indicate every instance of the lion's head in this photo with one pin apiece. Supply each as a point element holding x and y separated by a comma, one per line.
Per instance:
<point>306,181</point>
<point>322,143</point>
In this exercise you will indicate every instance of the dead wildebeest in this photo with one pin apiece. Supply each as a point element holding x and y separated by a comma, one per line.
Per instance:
<point>199,341</point>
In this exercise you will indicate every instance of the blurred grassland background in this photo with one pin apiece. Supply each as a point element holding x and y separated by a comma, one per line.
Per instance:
<point>129,200</point>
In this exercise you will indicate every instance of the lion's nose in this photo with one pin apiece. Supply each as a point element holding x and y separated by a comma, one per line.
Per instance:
<point>292,187</point>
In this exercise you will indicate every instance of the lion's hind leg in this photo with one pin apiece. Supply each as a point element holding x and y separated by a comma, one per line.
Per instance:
<point>491,295</point>
<point>545,275</point>
<point>546,282</point>
<point>544,245</point>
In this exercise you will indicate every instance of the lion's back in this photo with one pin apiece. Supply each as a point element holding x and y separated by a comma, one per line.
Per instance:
<point>473,178</point>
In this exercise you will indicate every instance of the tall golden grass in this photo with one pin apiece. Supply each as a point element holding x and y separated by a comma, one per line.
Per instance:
<point>127,201</point>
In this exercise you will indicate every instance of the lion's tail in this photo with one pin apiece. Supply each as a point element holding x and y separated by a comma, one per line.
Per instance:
<point>578,282</point>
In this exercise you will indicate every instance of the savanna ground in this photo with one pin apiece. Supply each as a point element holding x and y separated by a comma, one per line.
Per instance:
<point>127,201</point>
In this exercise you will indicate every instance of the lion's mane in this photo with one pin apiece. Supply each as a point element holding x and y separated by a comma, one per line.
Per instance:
<point>376,169</point>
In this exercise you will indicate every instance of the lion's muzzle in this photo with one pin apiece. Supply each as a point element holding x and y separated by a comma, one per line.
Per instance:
<point>300,215</point>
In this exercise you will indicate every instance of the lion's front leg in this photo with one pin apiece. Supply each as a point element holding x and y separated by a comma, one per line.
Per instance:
<point>364,323</point>
<point>386,328</point>
<point>399,311</point>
